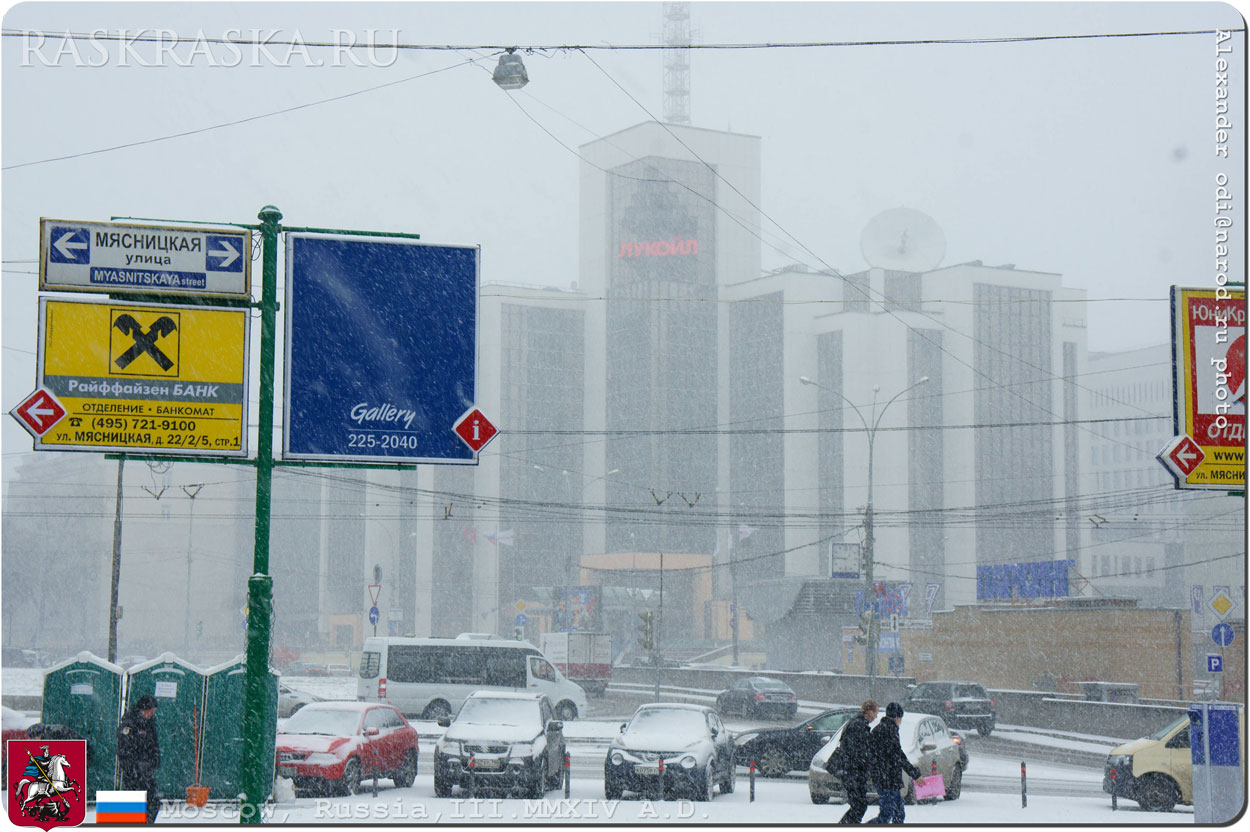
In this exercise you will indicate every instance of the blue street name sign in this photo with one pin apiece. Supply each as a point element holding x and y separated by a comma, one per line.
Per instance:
<point>153,259</point>
<point>374,615</point>
<point>381,349</point>
<point>1222,634</point>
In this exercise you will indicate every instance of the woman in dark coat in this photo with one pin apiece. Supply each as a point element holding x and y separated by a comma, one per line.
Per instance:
<point>891,763</point>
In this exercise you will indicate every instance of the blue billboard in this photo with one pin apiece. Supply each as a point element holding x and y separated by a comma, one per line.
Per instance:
<point>381,349</point>
<point>1036,579</point>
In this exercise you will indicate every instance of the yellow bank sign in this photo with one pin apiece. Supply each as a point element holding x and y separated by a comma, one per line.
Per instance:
<point>151,377</point>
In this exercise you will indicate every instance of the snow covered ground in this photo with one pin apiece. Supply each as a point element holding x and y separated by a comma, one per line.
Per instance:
<point>776,802</point>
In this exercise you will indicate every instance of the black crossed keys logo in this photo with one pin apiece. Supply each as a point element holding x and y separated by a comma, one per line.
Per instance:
<point>144,342</point>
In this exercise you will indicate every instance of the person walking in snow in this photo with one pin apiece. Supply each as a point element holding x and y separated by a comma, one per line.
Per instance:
<point>859,757</point>
<point>891,763</point>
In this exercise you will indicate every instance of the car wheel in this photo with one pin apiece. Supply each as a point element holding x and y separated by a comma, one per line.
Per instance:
<point>539,787</point>
<point>351,777</point>
<point>909,796</point>
<point>703,785</point>
<point>773,763</point>
<point>819,799</point>
<point>407,774</point>
<point>730,782</point>
<point>566,711</point>
<point>985,728</point>
<point>442,786</point>
<point>1157,793</point>
<point>956,783</point>
<point>436,710</point>
<point>611,789</point>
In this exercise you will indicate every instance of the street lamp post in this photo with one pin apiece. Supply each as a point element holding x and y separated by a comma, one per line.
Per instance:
<point>870,656</point>
<point>192,491</point>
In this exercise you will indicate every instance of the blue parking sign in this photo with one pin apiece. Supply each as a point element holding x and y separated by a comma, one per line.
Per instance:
<point>1215,664</point>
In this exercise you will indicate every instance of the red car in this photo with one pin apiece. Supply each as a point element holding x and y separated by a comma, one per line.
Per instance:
<point>333,746</point>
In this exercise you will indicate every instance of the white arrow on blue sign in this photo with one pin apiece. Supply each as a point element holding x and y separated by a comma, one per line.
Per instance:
<point>151,259</point>
<point>373,615</point>
<point>521,619</point>
<point>1222,634</point>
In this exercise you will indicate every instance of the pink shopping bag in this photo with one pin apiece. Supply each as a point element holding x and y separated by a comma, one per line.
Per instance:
<point>930,787</point>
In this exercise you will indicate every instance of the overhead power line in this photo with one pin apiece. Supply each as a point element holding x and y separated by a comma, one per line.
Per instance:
<point>167,37</point>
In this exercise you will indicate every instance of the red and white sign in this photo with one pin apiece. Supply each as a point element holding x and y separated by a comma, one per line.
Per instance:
<point>475,430</point>
<point>1182,456</point>
<point>374,589</point>
<point>38,412</point>
<point>1209,370</point>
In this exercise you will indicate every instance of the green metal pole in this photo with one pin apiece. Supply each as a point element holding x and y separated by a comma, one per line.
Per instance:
<point>253,767</point>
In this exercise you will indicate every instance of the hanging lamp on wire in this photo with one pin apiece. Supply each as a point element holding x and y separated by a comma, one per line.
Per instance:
<point>510,73</point>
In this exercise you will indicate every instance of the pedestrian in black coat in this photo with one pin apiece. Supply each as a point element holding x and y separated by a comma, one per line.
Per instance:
<point>857,749</point>
<point>891,763</point>
<point>139,752</point>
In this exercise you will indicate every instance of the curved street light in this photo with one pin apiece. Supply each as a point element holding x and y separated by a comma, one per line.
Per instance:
<point>870,656</point>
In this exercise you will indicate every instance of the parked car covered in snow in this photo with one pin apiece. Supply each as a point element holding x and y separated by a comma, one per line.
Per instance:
<point>695,748</point>
<point>291,700</point>
<point>758,696</point>
<point>925,740</point>
<point>333,746</point>
<point>961,704</point>
<point>504,741</point>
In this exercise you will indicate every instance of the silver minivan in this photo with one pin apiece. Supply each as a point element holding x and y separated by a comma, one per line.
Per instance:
<point>429,678</point>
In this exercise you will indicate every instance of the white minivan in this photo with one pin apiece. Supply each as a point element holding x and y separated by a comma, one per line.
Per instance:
<point>429,678</point>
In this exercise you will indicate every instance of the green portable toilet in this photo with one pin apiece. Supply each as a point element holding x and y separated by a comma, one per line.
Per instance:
<point>223,729</point>
<point>85,694</point>
<point>179,690</point>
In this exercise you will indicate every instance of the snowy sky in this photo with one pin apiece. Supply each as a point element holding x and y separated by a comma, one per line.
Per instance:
<point>1091,157</point>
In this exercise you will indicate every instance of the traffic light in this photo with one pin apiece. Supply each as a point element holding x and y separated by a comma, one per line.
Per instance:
<point>199,628</point>
<point>865,625</point>
<point>518,633</point>
<point>646,631</point>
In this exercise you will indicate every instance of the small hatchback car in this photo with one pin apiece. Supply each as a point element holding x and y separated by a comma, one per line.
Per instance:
<point>333,746</point>
<point>669,749</point>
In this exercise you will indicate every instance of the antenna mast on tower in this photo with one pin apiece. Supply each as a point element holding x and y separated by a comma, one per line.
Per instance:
<point>676,63</point>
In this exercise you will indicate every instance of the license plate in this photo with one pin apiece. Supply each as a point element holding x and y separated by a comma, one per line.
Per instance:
<point>488,765</point>
<point>286,771</point>
<point>646,769</point>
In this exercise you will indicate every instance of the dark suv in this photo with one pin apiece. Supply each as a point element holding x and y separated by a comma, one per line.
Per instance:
<point>961,704</point>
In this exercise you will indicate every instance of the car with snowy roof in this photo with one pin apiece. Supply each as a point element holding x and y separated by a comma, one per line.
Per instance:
<point>501,741</point>
<point>961,704</point>
<point>670,749</point>
<point>333,746</point>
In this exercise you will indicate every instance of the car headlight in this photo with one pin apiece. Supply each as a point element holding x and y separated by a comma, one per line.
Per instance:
<point>617,758</point>
<point>1122,763</point>
<point>687,762</point>
<point>743,739</point>
<point>451,748</point>
<point>320,759</point>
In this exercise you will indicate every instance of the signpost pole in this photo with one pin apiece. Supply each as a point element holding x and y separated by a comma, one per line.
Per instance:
<point>260,586</point>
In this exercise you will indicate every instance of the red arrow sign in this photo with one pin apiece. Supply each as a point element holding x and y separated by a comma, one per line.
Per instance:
<point>475,430</point>
<point>1182,457</point>
<point>39,412</point>
<point>1187,455</point>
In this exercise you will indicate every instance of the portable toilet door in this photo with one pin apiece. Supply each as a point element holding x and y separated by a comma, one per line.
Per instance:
<point>85,694</point>
<point>179,690</point>
<point>223,729</point>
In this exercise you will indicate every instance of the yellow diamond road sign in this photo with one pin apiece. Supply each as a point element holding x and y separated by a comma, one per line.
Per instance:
<point>151,377</point>
<point>1221,603</point>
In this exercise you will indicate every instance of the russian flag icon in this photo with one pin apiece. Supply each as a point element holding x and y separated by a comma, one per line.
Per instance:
<point>121,807</point>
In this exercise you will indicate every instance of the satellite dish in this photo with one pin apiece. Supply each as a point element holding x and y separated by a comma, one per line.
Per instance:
<point>903,239</point>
